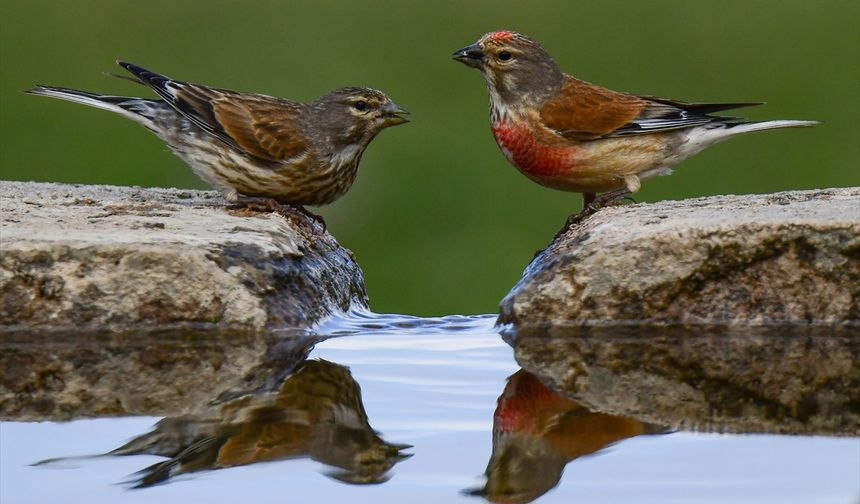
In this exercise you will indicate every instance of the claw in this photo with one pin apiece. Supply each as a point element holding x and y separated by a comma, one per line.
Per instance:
<point>609,198</point>
<point>591,204</point>
<point>271,205</point>
<point>314,217</point>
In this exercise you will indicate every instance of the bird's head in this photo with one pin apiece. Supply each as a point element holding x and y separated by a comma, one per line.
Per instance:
<point>355,115</point>
<point>516,68</point>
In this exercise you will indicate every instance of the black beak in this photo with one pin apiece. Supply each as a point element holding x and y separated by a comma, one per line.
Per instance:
<point>471,56</point>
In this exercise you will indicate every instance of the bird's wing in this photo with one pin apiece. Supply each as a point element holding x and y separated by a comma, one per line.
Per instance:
<point>584,111</point>
<point>261,126</point>
<point>660,114</point>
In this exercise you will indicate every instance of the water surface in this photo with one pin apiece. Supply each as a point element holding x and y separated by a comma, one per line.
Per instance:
<point>377,408</point>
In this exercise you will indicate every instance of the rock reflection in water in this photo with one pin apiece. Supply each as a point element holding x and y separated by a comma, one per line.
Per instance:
<point>790,380</point>
<point>537,432</point>
<point>316,413</point>
<point>67,375</point>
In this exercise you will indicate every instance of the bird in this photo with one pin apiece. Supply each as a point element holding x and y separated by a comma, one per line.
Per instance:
<point>568,134</point>
<point>260,151</point>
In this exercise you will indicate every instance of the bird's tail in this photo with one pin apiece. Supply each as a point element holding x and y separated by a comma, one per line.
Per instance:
<point>724,128</point>
<point>137,109</point>
<point>747,127</point>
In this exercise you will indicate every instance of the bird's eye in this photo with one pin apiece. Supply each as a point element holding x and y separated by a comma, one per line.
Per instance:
<point>505,55</point>
<point>360,105</point>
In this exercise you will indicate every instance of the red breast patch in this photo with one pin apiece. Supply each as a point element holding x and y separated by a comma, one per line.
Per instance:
<point>523,150</point>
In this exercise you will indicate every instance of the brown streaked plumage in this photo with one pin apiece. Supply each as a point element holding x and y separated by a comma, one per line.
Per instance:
<point>568,134</point>
<point>258,149</point>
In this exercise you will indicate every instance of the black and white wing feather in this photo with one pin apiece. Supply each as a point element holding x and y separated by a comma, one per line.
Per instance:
<point>660,114</point>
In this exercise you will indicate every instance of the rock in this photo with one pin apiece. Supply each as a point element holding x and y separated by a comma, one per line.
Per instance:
<point>77,256</point>
<point>792,380</point>
<point>791,257</point>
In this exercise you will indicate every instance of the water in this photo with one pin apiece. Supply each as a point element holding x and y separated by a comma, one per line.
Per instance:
<point>380,408</point>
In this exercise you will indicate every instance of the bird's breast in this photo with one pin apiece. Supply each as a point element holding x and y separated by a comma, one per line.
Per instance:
<point>533,155</point>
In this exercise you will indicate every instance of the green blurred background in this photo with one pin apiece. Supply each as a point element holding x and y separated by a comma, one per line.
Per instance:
<point>437,218</point>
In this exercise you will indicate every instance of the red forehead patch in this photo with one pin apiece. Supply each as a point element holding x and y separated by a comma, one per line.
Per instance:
<point>501,36</point>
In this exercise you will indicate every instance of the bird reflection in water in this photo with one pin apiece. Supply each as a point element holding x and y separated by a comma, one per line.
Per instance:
<point>316,413</point>
<point>536,432</point>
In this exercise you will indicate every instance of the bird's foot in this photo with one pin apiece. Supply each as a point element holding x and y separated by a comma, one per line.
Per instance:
<point>571,221</point>
<point>592,204</point>
<point>263,204</point>
<point>609,199</point>
<point>259,204</point>
<point>317,218</point>
<point>578,217</point>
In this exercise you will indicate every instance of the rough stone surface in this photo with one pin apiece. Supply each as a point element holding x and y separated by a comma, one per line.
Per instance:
<point>101,256</point>
<point>785,257</point>
<point>801,380</point>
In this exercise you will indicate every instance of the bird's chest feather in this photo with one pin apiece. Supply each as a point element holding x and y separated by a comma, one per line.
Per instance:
<point>531,154</point>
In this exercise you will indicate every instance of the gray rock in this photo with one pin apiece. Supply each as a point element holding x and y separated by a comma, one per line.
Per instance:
<point>791,257</point>
<point>77,256</point>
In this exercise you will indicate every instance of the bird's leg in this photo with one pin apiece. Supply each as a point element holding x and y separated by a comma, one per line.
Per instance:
<point>591,203</point>
<point>271,205</point>
<point>260,204</point>
<point>587,200</point>
<point>314,217</point>
<point>609,198</point>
